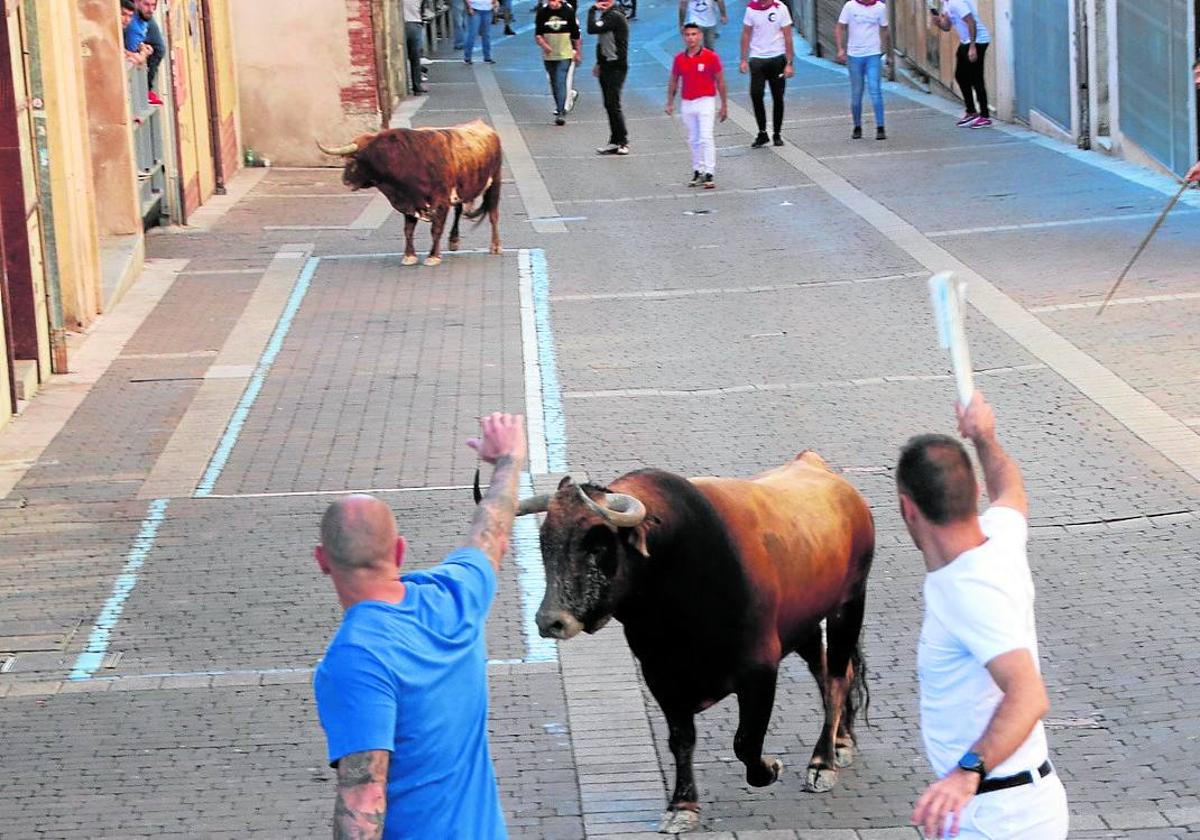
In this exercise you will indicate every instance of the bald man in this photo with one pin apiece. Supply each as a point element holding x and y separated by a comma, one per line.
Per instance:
<point>402,689</point>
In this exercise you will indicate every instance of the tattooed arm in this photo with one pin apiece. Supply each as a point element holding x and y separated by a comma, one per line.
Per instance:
<point>361,796</point>
<point>502,444</point>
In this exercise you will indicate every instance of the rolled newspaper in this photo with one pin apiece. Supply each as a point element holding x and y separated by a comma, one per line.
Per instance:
<point>949,298</point>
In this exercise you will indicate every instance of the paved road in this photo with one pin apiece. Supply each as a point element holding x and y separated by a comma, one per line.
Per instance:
<point>156,585</point>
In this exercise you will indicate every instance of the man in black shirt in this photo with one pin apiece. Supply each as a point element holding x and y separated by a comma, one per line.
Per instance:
<point>612,64</point>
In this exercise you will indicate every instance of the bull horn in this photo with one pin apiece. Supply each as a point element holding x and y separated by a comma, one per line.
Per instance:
<point>534,504</point>
<point>620,509</point>
<point>338,151</point>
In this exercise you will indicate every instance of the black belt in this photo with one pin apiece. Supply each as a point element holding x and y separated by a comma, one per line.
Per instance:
<point>1015,780</point>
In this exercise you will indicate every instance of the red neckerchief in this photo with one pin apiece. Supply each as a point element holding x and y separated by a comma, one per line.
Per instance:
<point>762,5</point>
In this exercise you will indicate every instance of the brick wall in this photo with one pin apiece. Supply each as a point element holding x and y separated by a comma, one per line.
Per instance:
<point>361,95</point>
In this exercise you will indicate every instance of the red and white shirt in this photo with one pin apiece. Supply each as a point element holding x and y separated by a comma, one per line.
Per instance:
<point>698,73</point>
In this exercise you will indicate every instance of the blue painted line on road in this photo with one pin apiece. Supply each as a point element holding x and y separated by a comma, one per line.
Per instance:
<point>274,345</point>
<point>552,405</point>
<point>531,579</point>
<point>92,656</point>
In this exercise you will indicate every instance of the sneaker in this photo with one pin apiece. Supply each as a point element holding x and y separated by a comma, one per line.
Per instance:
<point>153,98</point>
<point>777,141</point>
<point>559,120</point>
<point>508,30</point>
<point>610,149</point>
<point>880,133</point>
<point>697,178</point>
<point>622,149</point>
<point>468,61</point>
<point>760,141</point>
<point>966,119</point>
<point>708,182</point>
<point>856,134</point>
<point>489,61</point>
<point>982,122</point>
<point>571,97</point>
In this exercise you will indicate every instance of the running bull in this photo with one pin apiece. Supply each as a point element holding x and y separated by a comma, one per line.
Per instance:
<point>715,580</point>
<point>423,172</point>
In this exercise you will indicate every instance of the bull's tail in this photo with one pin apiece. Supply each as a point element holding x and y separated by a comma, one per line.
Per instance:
<point>858,698</point>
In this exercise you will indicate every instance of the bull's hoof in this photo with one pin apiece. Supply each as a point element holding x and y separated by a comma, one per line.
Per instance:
<point>433,261</point>
<point>765,773</point>
<point>843,755</point>
<point>820,779</point>
<point>495,250</point>
<point>679,822</point>
<point>409,259</point>
<point>453,244</point>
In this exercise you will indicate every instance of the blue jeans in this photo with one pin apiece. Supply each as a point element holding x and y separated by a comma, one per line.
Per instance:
<point>557,71</point>
<point>867,66</point>
<point>479,25</point>
<point>459,14</point>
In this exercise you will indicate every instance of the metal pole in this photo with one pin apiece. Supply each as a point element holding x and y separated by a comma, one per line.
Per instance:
<point>1082,71</point>
<point>41,139</point>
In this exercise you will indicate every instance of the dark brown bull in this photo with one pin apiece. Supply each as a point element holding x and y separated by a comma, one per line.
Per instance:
<point>423,172</point>
<point>716,580</point>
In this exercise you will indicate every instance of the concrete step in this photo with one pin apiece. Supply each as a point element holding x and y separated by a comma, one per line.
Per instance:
<point>26,373</point>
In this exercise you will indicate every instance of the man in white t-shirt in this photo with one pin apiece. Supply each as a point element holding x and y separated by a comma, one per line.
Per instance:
<point>974,38</point>
<point>982,695</point>
<point>862,39</point>
<point>767,52</point>
<point>706,14</point>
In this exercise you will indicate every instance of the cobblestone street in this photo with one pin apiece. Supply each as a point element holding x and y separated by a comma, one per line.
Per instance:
<point>160,610</point>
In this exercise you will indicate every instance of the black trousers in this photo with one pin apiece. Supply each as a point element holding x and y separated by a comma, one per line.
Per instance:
<point>612,79</point>
<point>969,75</point>
<point>414,43</point>
<point>768,71</point>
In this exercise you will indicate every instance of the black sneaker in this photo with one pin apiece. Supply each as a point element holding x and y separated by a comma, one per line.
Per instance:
<point>760,141</point>
<point>778,141</point>
<point>708,182</point>
<point>856,134</point>
<point>508,30</point>
<point>697,178</point>
<point>880,134</point>
<point>559,119</point>
<point>489,61</point>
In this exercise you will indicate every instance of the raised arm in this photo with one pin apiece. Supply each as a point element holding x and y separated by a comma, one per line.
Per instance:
<point>502,444</point>
<point>683,4</point>
<point>361,805</point>
<point>1001,474</point>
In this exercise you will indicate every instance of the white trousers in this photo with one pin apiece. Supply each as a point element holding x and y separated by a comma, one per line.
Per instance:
<point>699,116</point>
<point>1037,810</point>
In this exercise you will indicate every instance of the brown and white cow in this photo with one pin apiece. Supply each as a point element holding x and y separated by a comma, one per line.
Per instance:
<point>715,580</point>
<point>423,172</point>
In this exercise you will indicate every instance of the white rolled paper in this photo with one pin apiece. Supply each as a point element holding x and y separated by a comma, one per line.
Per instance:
<point>949,303</point>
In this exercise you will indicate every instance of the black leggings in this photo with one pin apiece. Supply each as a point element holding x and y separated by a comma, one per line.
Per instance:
<point>969,75</point>
<point>768,71</point>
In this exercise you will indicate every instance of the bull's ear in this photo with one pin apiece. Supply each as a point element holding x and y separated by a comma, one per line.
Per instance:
<point>637,537</point>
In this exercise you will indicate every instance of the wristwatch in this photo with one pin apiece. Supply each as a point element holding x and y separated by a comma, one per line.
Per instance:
<point>972,763</point>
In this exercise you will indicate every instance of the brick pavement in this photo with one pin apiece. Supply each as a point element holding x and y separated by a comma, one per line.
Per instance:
<point>714,342</point>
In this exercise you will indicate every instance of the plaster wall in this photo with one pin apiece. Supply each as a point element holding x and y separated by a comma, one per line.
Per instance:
<point>76,232</point>
<point>109,129</point>
<point>305,72</point>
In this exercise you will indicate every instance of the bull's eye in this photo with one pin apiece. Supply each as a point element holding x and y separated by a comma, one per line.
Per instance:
<point>597,545</point>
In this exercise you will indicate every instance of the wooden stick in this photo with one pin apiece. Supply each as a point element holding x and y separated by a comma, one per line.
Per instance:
<point>1162,217</point>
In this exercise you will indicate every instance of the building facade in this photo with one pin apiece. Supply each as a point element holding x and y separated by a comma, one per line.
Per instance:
<point>87,163</point>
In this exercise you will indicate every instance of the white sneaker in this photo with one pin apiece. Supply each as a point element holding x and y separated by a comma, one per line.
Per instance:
<point>610,149</point>
<point>571,97</point>
<point>622,150</point>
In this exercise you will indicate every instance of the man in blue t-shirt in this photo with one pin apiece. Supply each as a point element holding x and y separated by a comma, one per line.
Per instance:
<point>402,690</point>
